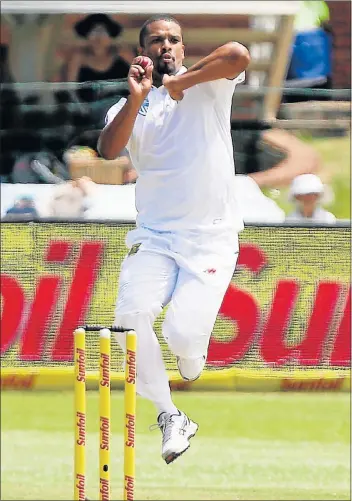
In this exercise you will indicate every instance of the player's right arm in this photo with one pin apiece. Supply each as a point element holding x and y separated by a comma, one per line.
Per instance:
<point>115,135</point>
<point>227,62</point>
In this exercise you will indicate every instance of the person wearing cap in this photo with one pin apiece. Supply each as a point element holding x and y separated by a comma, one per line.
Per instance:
<point>100,60</point>
<point>23,208</point>
<point>307,192</point>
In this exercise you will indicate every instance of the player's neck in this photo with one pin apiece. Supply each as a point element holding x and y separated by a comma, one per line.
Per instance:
<point>157,79</point>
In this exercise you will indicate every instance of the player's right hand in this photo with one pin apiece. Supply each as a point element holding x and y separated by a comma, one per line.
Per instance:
<point>140,80</point>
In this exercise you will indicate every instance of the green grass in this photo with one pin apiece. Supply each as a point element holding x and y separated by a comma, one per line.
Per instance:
<point>249,447</point>
<point>335,154</point>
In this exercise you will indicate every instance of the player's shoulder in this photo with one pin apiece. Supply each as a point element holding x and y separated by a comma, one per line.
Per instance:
<point>114,109</point>
<point>117,106</point>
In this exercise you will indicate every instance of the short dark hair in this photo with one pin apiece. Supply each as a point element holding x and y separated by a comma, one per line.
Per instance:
<point>150,20</point>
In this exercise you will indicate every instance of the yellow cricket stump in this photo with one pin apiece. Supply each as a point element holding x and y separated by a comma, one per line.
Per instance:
<point>104,415</point>
<point>80,415</point>
<point>130,416</point>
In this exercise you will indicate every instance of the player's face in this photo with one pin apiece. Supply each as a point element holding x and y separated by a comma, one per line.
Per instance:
<point>163,44</point>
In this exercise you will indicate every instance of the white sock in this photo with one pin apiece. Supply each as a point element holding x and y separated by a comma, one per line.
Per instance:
<point>169,408</point>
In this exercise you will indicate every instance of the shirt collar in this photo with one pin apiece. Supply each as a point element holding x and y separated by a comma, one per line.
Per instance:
<point>183,69</point>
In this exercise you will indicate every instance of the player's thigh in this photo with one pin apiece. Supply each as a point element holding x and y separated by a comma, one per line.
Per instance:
<point>146,283</point>
<point>193,310</point>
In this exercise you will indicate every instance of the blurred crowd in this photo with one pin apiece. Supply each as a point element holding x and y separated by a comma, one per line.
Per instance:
<point>57,144</point>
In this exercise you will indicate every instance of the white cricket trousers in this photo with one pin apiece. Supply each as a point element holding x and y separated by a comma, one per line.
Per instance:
<point>188,276</point>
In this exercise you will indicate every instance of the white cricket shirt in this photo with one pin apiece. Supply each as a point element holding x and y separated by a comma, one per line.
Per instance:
<point>184,157</point>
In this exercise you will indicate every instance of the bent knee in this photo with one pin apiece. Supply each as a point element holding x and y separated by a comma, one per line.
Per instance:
<point>185,343</point>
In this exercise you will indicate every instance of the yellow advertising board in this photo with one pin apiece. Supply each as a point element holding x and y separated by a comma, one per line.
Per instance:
<point>284,323</point>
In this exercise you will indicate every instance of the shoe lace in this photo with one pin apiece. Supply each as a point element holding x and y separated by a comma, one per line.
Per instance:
<point>166,427</point>
<point>155,426</point>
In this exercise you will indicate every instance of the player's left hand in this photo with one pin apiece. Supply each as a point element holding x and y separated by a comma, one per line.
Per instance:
<point>171,84</point>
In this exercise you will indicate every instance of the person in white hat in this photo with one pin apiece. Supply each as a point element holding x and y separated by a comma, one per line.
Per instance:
<point>307,192</point>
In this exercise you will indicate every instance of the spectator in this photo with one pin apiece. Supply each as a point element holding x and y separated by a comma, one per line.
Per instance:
<point>23,208</point>
<point>310,65</point>
<point>39,167</point>
<point>100,60</point>
<point>307,192</point>
<point>313,14</point>
<point>71,199</point>
<point>84,199</point>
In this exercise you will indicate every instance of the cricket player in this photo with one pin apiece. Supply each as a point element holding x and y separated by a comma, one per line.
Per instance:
<point>175,125</point>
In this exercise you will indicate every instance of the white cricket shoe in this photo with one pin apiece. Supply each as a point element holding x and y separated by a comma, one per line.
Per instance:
<point>177,430</point>
<point>190,368</point>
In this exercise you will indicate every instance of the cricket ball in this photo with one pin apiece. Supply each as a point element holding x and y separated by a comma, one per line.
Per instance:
<point>143,61</point>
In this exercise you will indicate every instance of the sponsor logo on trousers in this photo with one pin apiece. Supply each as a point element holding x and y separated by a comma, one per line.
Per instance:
<point>129,487</point>
<point>131,426</point>
<point>81,424</point>
<point>80,485</point>
<point>104,489</point>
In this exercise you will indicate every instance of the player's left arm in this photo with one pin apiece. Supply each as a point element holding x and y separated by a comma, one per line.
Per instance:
<point>227,61</point>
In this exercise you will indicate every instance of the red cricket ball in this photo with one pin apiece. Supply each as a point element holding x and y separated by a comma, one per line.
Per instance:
<point>143,61</point>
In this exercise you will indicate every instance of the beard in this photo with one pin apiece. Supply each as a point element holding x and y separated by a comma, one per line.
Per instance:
<point>165,68</point>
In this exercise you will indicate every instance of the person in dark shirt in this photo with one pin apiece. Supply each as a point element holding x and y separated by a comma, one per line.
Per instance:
<point>100,60</point>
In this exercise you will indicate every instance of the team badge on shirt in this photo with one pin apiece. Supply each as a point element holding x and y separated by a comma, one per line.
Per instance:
<point>144,108</point>
<point>134,249</point>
